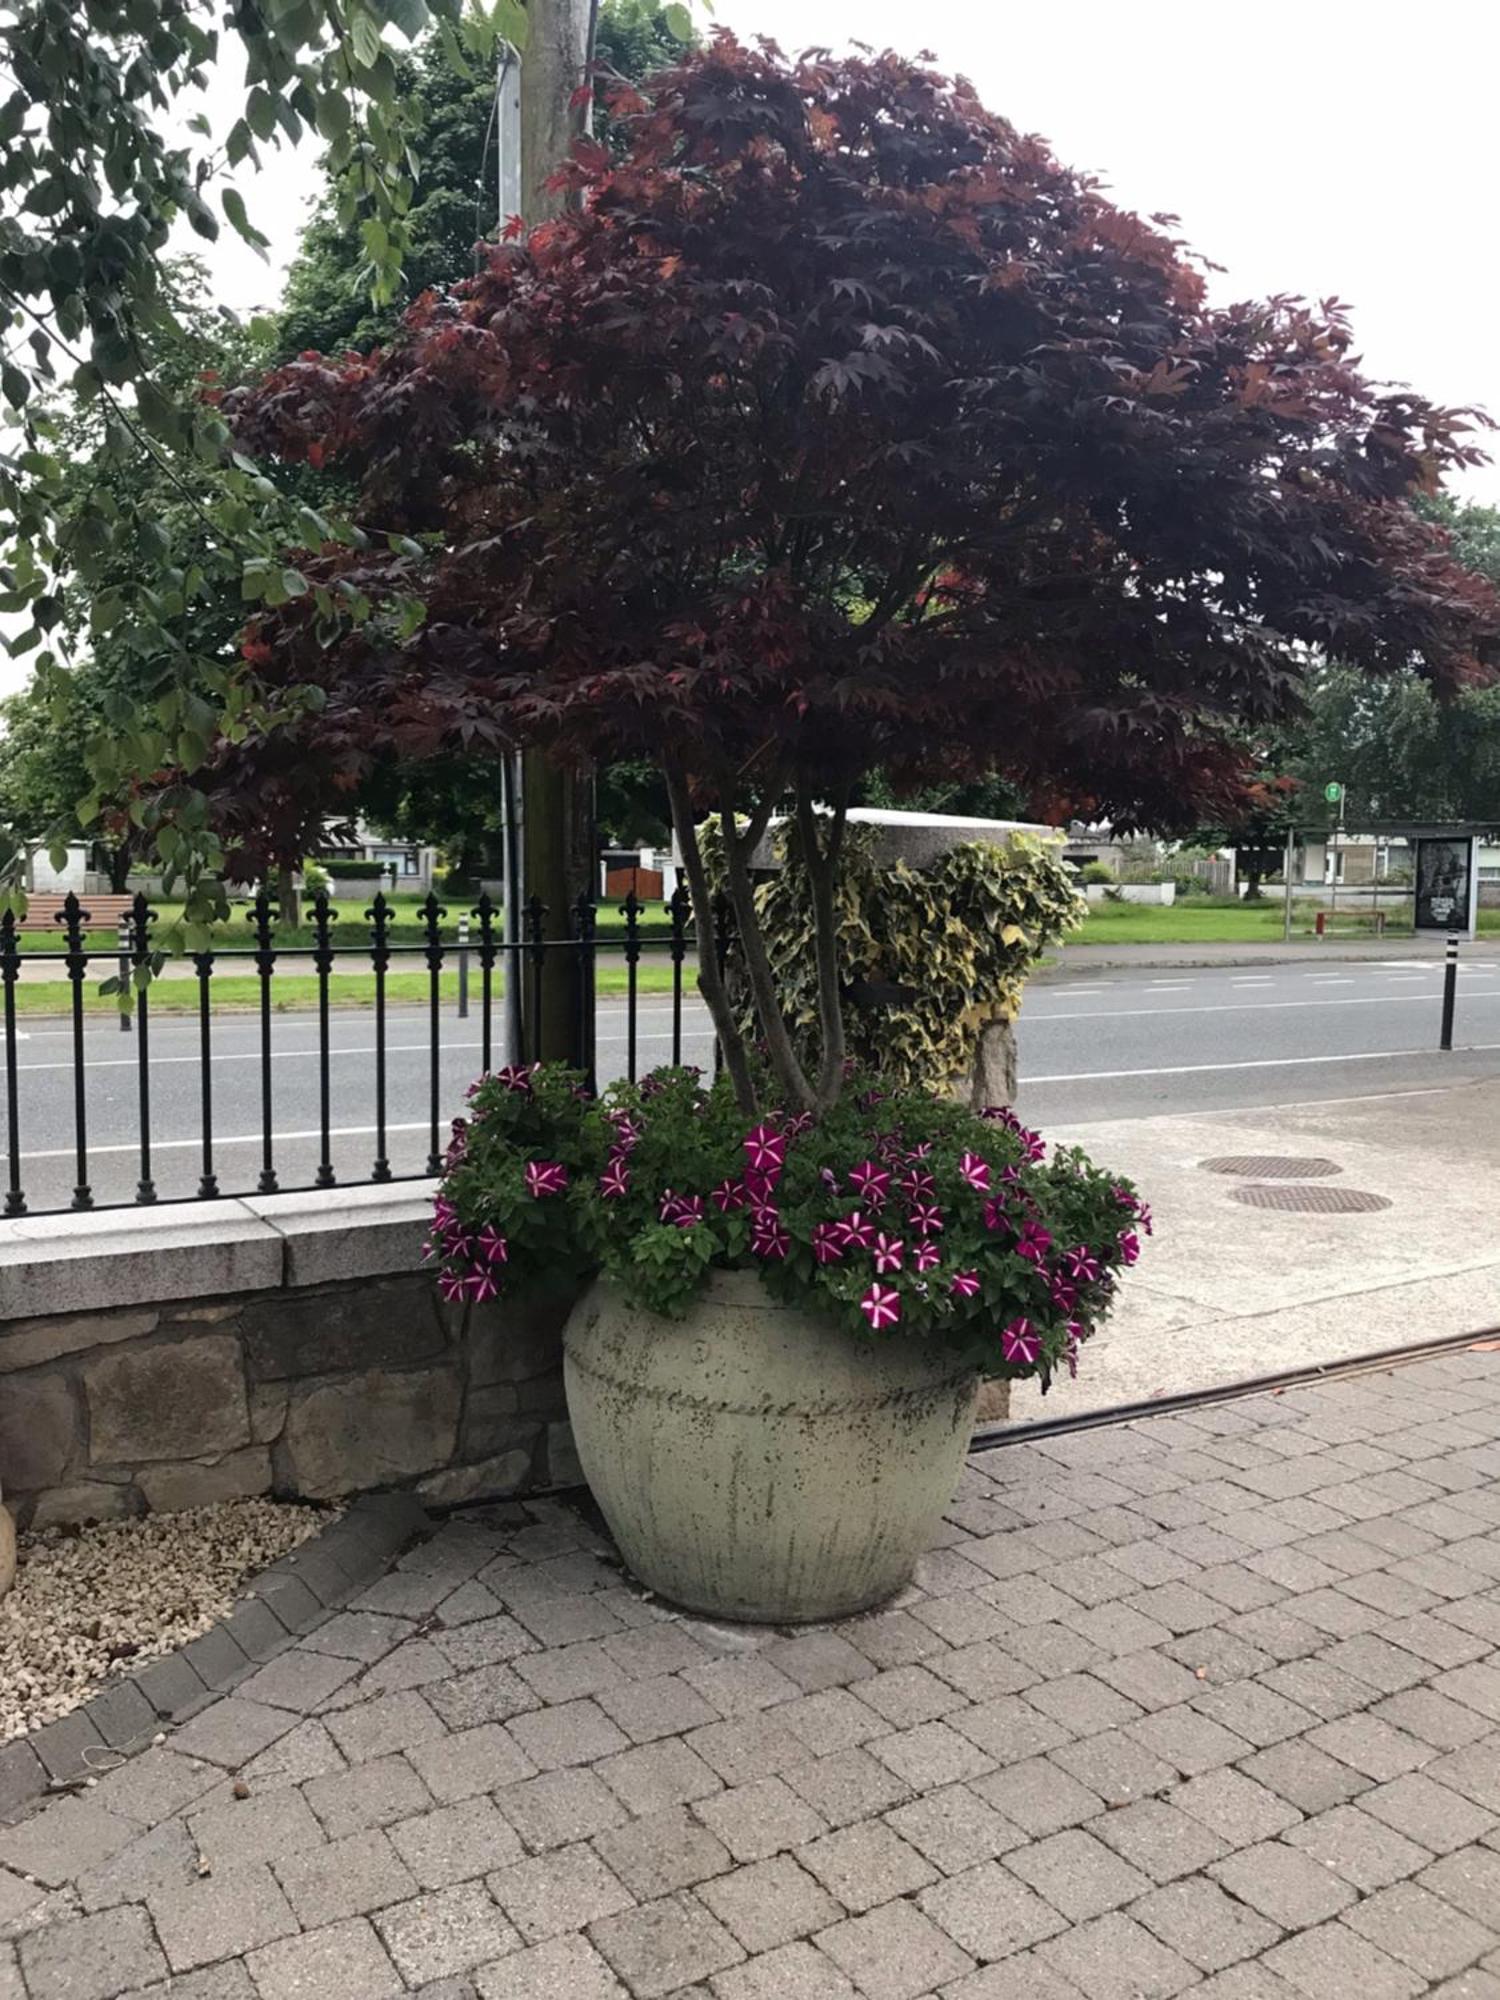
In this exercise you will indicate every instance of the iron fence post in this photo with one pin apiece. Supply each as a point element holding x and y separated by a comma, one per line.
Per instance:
<point>10,972</point>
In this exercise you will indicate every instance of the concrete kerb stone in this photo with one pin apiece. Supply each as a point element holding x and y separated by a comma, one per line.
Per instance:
<point>274,1610</point>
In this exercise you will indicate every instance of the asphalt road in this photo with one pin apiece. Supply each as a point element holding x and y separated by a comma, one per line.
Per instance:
<point>1122,1046</point>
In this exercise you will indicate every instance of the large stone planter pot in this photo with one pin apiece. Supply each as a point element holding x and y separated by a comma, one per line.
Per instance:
<point>754,1461</point>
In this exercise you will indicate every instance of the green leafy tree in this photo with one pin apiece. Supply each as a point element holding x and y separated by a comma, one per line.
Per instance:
<point>449,104</point>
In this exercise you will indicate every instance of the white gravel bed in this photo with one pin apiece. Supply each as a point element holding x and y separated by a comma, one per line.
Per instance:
<point>90,1603</point>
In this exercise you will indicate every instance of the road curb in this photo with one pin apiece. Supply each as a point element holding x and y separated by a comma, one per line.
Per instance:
<point>278,1606</point>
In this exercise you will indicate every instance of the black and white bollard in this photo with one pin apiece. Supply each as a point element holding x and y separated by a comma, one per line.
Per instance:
<point>463,968</point>
<point>1450,991</point>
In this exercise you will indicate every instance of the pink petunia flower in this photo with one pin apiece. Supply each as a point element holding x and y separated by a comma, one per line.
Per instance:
<point>1130,1245</point>
<point>1082,1266</point>
<point>798,1126</point>
<point>1020,1343</point>
<point>768,1238</point>
<point>727,1195</point>
<point>496,1249</point>
<point>1064,1295</point>
<point>689,1211</point>
<point>920,1152</point>
<point>996,1214</point>
<point>855,1233</point>
<point>976,1172</point>
<point>829,1179</point>
<point>482,1285</point>
<point>827,1245</point>
<point>515,1076</point>
<point>1070,1353</point>
<point>964,1284</point>
<point>760,1189</point>
<point>1143,1217</point>
<point>925,1218</point>
<point>926,1256</point>
<point>614,1182</point>
<point>765,1149</point>
<point>452,1286</point>
<point>881,1307</point>
<point>889,1252</point>
<point>870,1183</point>
<point>1034,1243</point>
<point>917,1184</point>
<point>544,1177</point>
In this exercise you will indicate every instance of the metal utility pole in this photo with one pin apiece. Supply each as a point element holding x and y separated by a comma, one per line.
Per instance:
<point>558,848</point>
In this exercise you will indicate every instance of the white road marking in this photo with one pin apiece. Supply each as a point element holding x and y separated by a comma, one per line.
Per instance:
<point>613,1038</point>
<point>1256,1007</point>
<point>1263,1062</point>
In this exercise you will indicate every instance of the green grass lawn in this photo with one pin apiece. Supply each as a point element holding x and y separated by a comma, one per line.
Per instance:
<point>1209,920</point>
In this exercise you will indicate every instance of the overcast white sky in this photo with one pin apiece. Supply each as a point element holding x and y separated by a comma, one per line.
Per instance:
<point>1308,147</point>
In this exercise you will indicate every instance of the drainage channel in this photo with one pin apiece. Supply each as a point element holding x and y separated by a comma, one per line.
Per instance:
<point>1230,1392</point>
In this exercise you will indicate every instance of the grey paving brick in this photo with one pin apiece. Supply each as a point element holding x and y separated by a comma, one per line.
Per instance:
<point>1361,1849</point>
<point>668,1649</point>
<point>663,1705</point>
<point>259,1828</point>
<point>565,1968</point>
<point>1331,1962</point>
<point>561,1891</point>
<point>488,1694</point>
<point>575,1732</point>
<point>1077,1874</point>
<point>65,1839</point>
<point>770,1903</point>
<point>749,1747</point>
<point>1115,1958</point>
<point>1199,1922</point>
<point>1115,1766</point>
<point>661,1853</point>
<point>954,1828</point>
<point>1386,1667</point>
<point>908,1695</point>
<point>983,1670</point>
<point>1291,1888</point>
<point>445,1932</point>
<point>360,1635</point>
<point>847,1785</point>
<point>819,1660</point>
<point>896,1952</point>
<point>1305,1776</point>
<point>741,1687</point>
<point>344,1962</point>
<point>381,1727</point>
<point>1410,1923</point>
<point>150,1786</point>
<point>455,1843</point>
<point>756,1820</point>
<point>220,1916</point>
<point>164,1858</point>
<point>834,1719</point>
<point>1432,1814</point>
<point>1084,1705</point>
<point>930,1756</point>
<point>92,1958</point>
<point>23,1777</point>
<point>1160,1839</point>
<point>1320,1689</point>
<point>869,1863</point>
<point>569,1673</point>
<point>1255,1712</point>
<point>1009,1728</point>
<point>1191,1742</point>
<point>298,1679</point>
<point>794,1972</point>
<point>232,1731</point>
<point>1038,1796</point>
<point>469,1761</point>
<point>369,1795</point>
<point>345,1878</point>
<point>229,1981</point>
<point>559,1808</point>
<point>122,1715</point>
<point>670,1773</point>
<point>658,1948</point>
<point>71,1748</point>
<point>1469,1879</point>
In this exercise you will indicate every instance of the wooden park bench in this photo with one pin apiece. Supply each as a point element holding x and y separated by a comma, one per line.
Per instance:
<point>44,912</point>
<point>1375,918</point>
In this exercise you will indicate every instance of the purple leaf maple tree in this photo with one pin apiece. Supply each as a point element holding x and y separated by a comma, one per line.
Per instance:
<point>836,424</point>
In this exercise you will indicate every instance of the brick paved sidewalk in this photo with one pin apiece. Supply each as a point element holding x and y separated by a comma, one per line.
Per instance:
<point>1207,1703</point>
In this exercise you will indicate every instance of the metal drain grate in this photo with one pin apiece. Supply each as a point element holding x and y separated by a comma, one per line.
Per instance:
<point>1311,1200</point>
<point>1270,1167</point>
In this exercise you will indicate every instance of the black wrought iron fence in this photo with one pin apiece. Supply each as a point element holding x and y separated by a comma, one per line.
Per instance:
<point>491,973</point>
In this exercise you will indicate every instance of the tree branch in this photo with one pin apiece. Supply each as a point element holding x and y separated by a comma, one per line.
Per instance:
<point>738,848</point>
<point>822,875</point>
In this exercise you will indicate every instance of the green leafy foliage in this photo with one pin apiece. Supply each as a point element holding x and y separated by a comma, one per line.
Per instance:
<point>928,955</point>
<point>899,1215</point>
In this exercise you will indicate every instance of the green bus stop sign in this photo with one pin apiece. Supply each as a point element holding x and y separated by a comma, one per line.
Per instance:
<point>1333,793</point>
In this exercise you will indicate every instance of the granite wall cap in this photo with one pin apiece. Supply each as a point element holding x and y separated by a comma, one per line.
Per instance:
<point>99,1261</point>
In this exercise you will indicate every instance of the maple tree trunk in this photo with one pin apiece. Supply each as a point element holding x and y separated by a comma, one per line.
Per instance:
<point>822,873</point>
<point>738,847</point>
<point>557,805</point>
<point>710,978</point>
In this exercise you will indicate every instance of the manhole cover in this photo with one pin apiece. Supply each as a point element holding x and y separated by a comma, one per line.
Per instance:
<point>1311,1200</point>
<point>1270,1167</point>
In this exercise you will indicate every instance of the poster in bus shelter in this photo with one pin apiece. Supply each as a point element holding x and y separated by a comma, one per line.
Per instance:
<point>1447,883</point>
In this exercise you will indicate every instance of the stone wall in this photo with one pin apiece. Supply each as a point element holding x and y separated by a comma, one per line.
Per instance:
<point>305,1390</point>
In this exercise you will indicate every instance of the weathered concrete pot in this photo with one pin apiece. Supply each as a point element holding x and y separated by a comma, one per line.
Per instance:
<point>753,1460</point>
